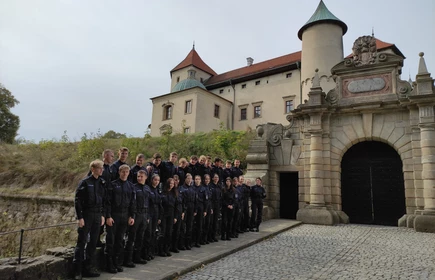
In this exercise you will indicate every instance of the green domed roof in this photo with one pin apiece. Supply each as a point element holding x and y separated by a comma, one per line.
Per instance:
<point>322,14</point>
<point>186,84</point>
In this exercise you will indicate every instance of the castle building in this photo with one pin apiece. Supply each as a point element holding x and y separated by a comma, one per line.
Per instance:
<point>339,138</point>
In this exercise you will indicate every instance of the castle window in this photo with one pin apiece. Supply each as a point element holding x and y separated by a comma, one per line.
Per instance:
<point>178,79</point>
<point>188,107</point>
<point>244,86</point>
<point>257,111</point>
<point>289,75</point>
<point>243,115</point>
<point>202,80</point>
<point>257,83</point>
<point>167,112</point>
<point>288,106</point>
<point>216,110</point>
<point>186,130</point>
<point>221,91</point>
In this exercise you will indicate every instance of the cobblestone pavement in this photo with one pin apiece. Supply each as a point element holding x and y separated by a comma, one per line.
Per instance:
<point>331,252</point>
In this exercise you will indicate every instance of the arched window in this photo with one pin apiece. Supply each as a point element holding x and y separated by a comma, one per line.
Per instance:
<point>167,112</point>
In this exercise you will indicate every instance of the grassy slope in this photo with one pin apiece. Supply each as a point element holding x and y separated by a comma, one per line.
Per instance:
<point>56,167</point>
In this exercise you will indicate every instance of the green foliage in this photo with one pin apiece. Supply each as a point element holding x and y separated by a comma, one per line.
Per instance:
<point>9,123</point>
<point>56,166</point>
<point>114,135</point>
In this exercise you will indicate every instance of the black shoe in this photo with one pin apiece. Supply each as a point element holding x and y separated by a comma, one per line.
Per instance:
<point>119,268</point>
<point>162,254</point>
<point>197,245</point>
<point>168,254</point>
<point>90,272</point>
<point>215,239</point>
<point>207,242</point>
<point>257,229</point>
<point>223,237</point>
<point>228,238</point>
<point>251,229</point>
<point>188,247</point>
<point>240,231</point>
<point>202,243</point>
<point>175,250</point>
<point>139,260</point>
<point>182,248</point>
<point>129,264</point>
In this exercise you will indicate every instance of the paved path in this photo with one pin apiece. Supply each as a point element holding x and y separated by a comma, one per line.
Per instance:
<point>330,252</point>
<point>185,261</point>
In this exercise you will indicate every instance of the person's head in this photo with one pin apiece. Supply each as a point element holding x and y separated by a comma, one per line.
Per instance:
<point>235,181</point>
<point>142,176</point>
<point>193,160</point>
<point>208,161</point>
<point>176,180</point>
<point>108,156</point>
<point>248,182</point>
<point>182,162</point>
<point>197,180</point>
<point>258,181</point>
<point>169,185</point>
<point>241,179</point>
<point>228,182</point>
<point>96,167</point>
<point>216,161</point>
<point>215,178</point>
<point>202,159</point>
<point>228,164</point>
<point>123,154</point>
<point>188,179</point>
<point>207,179</point>
<point>140,158</point>
<point>173,157</point>
<point>155,180</point>
<point>157,159</point>
<point>221,163</point>
<point>124,170</point>
<point>236,163</point>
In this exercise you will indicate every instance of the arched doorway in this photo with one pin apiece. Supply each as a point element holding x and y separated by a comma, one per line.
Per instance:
<point>372,185</point>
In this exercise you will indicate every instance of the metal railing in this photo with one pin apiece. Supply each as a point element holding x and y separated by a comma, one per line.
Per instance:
<point>21,231</point>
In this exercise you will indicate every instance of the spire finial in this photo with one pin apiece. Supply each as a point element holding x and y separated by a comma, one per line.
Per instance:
<point>373,32</point>
<point>422,69</point>
<point>193,45</point>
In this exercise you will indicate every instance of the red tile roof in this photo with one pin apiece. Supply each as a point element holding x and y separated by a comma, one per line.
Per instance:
<point>194,59</point>
<point>380,45</point>
<point>256,68</point>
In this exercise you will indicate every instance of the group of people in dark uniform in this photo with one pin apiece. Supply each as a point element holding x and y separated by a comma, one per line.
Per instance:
<point>160,207</point>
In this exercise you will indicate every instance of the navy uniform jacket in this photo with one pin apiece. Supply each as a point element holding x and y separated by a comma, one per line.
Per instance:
<point>257,193</point>
<point>115,169</point>
<point>228,197</point>
<point>189,197</point>
<point>170,205</point>
<point>132,176</point>
<point>201,198</point>
<point>236,172</point>
<point>216,196</point>
<point>142,199</point>
<point>121,197</point>
<point>90,196</point>
<point>155,202</point>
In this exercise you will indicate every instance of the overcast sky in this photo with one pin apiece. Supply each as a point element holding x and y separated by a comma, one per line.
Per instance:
<point>88,65</point>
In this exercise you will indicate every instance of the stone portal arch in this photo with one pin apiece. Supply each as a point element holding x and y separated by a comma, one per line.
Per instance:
<point>372,188</point>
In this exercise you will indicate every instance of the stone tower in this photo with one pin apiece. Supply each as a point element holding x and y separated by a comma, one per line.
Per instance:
<point>322,48</point>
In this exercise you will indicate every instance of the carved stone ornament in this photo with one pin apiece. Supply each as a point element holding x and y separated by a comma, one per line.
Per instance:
<point>276,136</point>
<point>332,97</point>
<point>364,51</point>
<point>260,131</point>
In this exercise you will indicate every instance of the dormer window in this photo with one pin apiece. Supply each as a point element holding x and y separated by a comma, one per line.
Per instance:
<point>191,74</point>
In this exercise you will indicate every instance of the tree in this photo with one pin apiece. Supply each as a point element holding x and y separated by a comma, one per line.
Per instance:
<point>114,135</point>
<point>9,123</point>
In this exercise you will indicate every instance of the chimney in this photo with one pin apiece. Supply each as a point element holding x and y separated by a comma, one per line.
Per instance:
<point>250,61</point>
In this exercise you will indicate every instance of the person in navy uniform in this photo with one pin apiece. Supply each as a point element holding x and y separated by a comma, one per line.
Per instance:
<point>120,213</point>
<point>189,201</point>
<point>155,208</point>
<point>140,160</point>
<point>228,200</point>
<point>176,232</point>
<point>227,169</point>
<point>216,168</point>
<point>168,216</point>
<point>216,204</point>
<point>122,159</point>
<point>137,231</point>
<point>258,193</point>
<point>89,207</point>
<point>201,204</point>
<point>154,167</point>
<point>208,209</point>
<point>235,170</point>
<point>169,168</point>
<point>237,208</point>
<point>244,224</point>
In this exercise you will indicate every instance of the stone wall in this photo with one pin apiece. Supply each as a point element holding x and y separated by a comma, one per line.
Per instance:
<point>24,212</point>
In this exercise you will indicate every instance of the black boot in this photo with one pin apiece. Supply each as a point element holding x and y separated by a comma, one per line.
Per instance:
<point>128,260</point>
<point>188,244</point>
<point>137,258</point>
<point>146,255</point>
<point>161,251</point>
<point>89,270</point>
<point>110,267</point>
<point>77,271</point>
<point>117,264</point>
<point>223,236</point>
<point>168,254</point>
<point>175,250</point>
